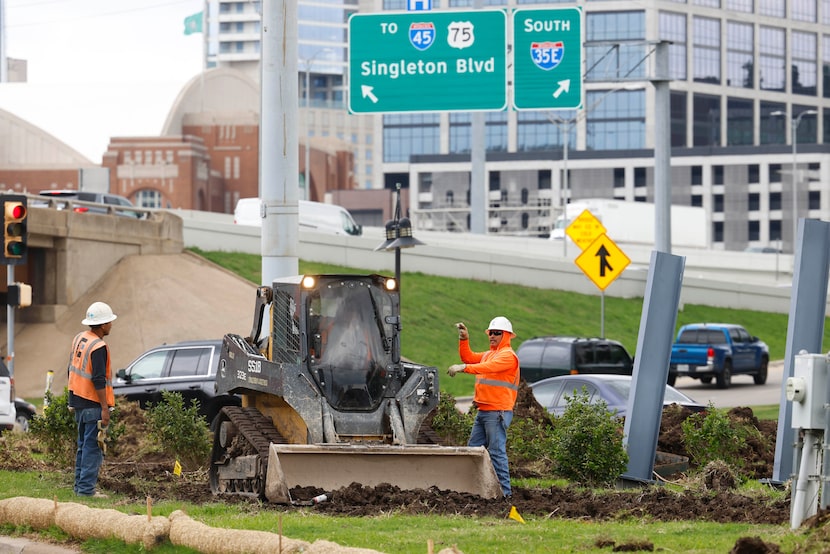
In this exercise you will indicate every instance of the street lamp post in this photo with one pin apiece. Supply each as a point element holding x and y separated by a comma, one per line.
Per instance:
<point>398,235</point>
<point>794,123</point>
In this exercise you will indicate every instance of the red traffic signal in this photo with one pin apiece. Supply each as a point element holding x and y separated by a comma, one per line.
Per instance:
<point>15,233</point>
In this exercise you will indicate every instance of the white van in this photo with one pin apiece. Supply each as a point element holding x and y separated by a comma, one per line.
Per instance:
<point>315,216</point>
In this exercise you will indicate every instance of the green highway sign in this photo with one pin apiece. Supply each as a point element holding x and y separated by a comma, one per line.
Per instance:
<point>547,54</point>
<point>428,61</point>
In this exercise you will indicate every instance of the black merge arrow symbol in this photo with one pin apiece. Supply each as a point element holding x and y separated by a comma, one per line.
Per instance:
<point>603,260</point>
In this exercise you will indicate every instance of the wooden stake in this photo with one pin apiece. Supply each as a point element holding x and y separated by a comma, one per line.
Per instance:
<point>149,509</point>
<point>279,523</point>
<point>430,546</point>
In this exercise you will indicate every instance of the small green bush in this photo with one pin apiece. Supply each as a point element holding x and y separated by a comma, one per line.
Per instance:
<point>711,435</point>
<point>56,430</point>
<point>179,430</point>
<point>588,446</point>
<point>451,424</point>
<point>531,444</point>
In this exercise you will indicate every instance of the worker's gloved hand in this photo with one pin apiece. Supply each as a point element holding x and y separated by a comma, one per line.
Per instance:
<point>462,331</point>
<point>102,437</point>
<point>456,368</point>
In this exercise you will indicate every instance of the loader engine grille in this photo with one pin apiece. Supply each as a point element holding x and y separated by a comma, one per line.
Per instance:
<point>285,332</point>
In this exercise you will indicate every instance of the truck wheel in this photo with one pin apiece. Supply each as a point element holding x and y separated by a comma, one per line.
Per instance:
<point>761,377</point>
<point>724,378</point>
<point>672,378</point>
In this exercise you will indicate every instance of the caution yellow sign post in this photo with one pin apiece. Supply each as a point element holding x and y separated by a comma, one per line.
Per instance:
<point>584,229</point>
<point>602,261</point>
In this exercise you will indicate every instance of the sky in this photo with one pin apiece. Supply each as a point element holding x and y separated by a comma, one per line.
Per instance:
<point>99,68</point>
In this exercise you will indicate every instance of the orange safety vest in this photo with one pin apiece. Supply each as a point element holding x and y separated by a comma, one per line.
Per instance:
<point>497,384</point>
<point>80,368</point>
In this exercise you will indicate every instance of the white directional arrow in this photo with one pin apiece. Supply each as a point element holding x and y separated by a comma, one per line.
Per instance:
<point>366,90</point>
<point>564,86</point>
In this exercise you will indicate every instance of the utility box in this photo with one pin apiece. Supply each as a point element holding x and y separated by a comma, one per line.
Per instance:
<point>807,390</point>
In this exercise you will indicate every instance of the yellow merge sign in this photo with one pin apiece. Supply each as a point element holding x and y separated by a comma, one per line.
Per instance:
<point>584,229</point>
<point>602,261</point>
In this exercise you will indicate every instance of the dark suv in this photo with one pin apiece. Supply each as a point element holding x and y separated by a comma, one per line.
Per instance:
<point>186,367</point>
<point>543,357</point>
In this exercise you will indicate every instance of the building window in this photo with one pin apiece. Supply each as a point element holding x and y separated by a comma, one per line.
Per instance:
<point>495,180</point>
<point>627,59</point>
<point>717,174</point>
<point>405,135</point>
<point>739,5</point>
<point>773,8</point>
<point>706,50</point>
<point>697,175</point>
<point>717,201</point>
<point>774,201</point>
<point>740,64</point>
<point>147,198</point>
<point>754,173</point>
<point>774,173</point>
<point>616,121</point>
<point>814,200</point>
<point>450,198</point>
<point>754,201</point>
<point>804,64</point>
<point>639,176</point>
<point>697,200</point>
<point>706,124</point>
<point>754,228</point>
<point>773,127</point>
<point>803,10</point>
<point>544,178</point>
<point>774,229</point>
<point>772,60</point>
<point>619,177</point>
<point>673,29</point>
<point>536,131</point>
<point>739,114</point>
<point>717,231</point>
<point>808,127</point>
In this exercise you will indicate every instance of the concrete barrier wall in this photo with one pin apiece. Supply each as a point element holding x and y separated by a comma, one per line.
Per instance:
<point>713,278</point>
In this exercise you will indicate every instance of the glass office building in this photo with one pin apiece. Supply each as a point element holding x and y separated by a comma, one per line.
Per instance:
<point>747,78</point>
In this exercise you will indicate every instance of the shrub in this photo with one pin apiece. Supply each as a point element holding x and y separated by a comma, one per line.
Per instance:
<point>587,445</point>
<point>56,430</point>
<point>711,435</point>
<point>179,430</point>
<point>531,444</point>
<point>451,424</point>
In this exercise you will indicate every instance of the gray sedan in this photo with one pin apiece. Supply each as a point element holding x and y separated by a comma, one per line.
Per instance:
<point>553,393</point>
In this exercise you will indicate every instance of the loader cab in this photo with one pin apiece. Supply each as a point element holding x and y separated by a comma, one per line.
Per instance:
<point>353,340</point>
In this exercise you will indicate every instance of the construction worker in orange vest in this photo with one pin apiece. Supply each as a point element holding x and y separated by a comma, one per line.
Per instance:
<point>90,394</point>
<point>496,388</point>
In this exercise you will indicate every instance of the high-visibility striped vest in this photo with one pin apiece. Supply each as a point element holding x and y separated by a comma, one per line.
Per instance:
<point>80,367</point>
<point>497,391</point>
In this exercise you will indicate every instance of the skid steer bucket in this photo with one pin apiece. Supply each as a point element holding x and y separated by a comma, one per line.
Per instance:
<point>332,466</point>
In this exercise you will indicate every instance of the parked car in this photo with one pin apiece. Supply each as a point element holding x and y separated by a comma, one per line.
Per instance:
<point>542,357</point>
<point>113,202</point>
<point>8,413</point>
<point>25,412</point>
<point>188,368</point>
<point>718,351</point>
<point>553,393</point>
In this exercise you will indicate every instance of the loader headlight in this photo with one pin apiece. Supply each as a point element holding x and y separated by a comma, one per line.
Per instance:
<point>309,282</point>
<point>391,284</point>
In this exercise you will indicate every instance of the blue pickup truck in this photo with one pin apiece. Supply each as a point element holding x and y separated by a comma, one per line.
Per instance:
<point>718,351</point>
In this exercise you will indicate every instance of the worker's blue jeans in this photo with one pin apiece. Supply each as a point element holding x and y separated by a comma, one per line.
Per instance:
<point>88,458</point>
<point>490,431</point>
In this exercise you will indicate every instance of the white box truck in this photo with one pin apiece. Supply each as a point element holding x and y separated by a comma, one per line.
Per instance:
<point>633,222</point>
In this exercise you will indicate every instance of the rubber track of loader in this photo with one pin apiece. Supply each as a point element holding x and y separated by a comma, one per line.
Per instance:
<point>258,430</point>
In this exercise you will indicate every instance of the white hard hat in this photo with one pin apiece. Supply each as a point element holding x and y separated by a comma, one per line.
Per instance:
<point>98,313</point>
<point>501,323</point>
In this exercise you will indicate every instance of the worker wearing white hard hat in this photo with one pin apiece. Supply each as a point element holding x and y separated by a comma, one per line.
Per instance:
<point>496,388</point>
<point>90,395</point>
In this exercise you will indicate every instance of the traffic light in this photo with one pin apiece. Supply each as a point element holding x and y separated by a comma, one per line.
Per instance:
<point>15,234</point>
